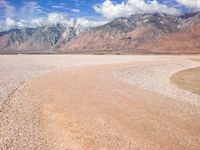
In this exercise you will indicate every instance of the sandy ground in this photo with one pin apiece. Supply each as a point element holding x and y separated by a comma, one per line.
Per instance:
<point>155,77</point>
<point>16,69</point>
<point>97,102</point>
<point>188,79</point>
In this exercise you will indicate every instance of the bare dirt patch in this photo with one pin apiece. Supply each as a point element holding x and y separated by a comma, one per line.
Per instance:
<point>196,59</point>
<point>87,107</point>
<point>188,79</point>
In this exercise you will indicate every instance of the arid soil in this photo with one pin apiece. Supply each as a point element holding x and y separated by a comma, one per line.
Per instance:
<point>184,41</point>
<point>188,79</point>
<point>16,69</point>
<point>99,105</point>
<point>156,77</point>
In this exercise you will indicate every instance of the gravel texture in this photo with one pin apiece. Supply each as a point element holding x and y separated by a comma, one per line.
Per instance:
<point>66,103</point>
<point>155,77</point>
<point>16,69</point>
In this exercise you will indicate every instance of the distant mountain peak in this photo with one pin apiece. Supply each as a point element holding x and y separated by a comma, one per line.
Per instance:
<point>189,15</point>
<point>39,39</point>
<point>124,33</point>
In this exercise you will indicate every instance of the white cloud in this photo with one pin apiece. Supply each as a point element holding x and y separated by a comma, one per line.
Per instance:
<point>6,9</point>
<point>30,9</point>
<point>24,16</point>
<point>54,18</point>
<point>90,23</point>
<point>76,10</point>
<point>191,4</point>
<point>37,22</point>
<point>22,23</point>
<point>10,23</point>
<point>32,15</point>
<point>109,10</point>
<point>57,6</point>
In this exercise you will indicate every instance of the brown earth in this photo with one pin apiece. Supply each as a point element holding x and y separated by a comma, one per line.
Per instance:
<point>87,108</point>
<point>184,41</point>
<point>188,79</point>
<point>142,40</point>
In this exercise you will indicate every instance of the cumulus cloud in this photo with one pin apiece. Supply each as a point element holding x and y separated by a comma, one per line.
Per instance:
<point>51,19</point>
<point>54,18</point>
<point>22,23</point>
<point>194,5</point>
<point>20,17</point>
<point>31,14</point>
<point>90,23</point>
<point>36,22</point>
<point>10,23</point>
<point>110,10</point>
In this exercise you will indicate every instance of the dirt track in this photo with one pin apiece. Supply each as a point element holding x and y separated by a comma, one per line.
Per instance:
<point>91,108</point>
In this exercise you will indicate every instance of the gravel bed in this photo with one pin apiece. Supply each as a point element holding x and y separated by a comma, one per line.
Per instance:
<point>16,69</point>
<point>155,77</point>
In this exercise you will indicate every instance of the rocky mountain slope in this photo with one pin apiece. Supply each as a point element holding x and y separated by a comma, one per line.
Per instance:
<point>182,42</point>
<point>43,39</point>
<point>136,33</point>
<point>142,33</point>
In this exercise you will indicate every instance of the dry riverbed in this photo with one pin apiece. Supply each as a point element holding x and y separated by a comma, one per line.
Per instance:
<point>97,102</point>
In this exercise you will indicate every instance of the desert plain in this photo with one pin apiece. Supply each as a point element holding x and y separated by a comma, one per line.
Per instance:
<point>83,102</point>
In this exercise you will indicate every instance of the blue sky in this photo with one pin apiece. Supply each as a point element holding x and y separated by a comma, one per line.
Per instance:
<point>64,6</point>
<point>33,13</point>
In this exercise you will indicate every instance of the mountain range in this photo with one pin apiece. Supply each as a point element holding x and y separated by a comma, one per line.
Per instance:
<point>141,33</point>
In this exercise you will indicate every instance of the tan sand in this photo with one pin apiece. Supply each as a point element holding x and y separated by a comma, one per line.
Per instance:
<point>90,108</point>
<point>16,69</point>
<point>155,77</point>
<point>188,79</point>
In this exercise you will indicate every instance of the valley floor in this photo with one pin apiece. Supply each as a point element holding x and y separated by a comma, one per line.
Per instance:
<point>97,102</point>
